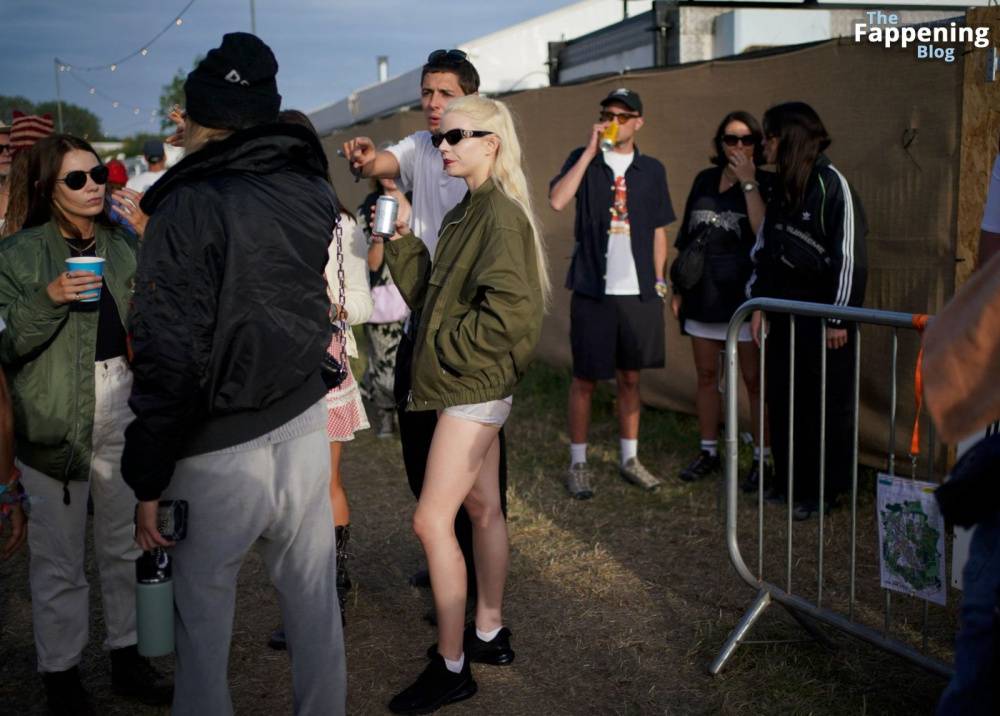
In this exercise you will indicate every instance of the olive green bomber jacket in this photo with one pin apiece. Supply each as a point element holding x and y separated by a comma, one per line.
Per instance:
<point>480,304</point>
<point>48,350</point>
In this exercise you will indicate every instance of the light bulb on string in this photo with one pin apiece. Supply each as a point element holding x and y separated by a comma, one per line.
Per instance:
<point>114,67</point>
<point>179,21</point>
<point>114,104</point>
<point>136,111</point>
<point>144,51</point>
<point>93,90</point>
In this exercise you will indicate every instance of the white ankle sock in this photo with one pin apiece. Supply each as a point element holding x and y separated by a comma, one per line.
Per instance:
<point>488,635</point>
<point>710,446</point>
<point>577,453</point>
<point>455,667</point>
<point>629,449</point>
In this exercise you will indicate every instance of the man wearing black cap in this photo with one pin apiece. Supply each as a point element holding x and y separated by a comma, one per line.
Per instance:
<point>157,163</point>
<point>229,326</point>
<point>616,276</point>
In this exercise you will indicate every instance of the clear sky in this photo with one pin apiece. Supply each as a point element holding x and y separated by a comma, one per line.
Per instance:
<point>325,48</point>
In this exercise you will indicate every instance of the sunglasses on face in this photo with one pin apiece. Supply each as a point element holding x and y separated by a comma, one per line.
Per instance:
<point>620,117</point>
<point>439,56</point>
<point>731,140</point>
<point>454,136</point>
<point>78,179</point>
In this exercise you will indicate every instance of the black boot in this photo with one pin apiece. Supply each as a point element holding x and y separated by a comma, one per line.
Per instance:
<point>133,676</point>
<point>65,694</point>
<point>758,471</point>
<point>343,579</point>
<point>434,688</point>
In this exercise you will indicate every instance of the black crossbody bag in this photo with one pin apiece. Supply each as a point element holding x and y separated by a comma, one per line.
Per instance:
<point>334,368</point>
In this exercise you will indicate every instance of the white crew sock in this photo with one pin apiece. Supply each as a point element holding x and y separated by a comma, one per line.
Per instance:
<point>711,447</point>
<point>756,453</point>
<point>577,453</point>
<point>488,635</point>
<point>455,667</point>
<point>629,448</point>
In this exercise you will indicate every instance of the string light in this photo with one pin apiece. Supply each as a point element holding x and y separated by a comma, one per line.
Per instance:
<point>142,51</point>
<point>115,103</point>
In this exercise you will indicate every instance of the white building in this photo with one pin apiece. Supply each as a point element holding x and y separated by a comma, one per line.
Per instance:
<point>514,58</point>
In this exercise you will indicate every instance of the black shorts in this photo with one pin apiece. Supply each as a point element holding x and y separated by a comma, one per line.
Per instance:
<point>615,333</point>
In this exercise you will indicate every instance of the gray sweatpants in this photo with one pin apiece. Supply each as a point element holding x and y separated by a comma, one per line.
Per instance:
<point>274,489</point>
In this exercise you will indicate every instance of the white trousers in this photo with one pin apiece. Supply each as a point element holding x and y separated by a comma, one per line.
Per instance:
<point>57,534</point>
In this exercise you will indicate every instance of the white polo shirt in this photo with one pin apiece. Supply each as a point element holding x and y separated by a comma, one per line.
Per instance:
<point>434,192</point>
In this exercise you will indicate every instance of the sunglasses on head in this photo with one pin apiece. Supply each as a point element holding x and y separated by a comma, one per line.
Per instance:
<point>731,140</point>
<point>78,179</point>
<point>620,117</point>
<point>439,56</point>
<point>454,136</point>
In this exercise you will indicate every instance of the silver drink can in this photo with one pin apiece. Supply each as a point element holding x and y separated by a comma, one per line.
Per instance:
<point>386,209</point>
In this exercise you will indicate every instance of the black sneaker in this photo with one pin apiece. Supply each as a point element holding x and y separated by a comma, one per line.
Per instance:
<point>65,694</point>
<point>701,467</point>
<point>496,651</point>
<point>434,688</point>
<point>133,676</point>
<point>752,479</point>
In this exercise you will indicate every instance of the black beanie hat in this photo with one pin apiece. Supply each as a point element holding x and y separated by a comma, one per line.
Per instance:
<point>234,86</point>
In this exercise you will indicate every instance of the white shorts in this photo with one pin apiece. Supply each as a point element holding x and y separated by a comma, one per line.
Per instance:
<point>715,331</point>
<point>492,412</point>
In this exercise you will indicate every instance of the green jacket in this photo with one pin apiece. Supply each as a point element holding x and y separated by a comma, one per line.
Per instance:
<point>48,351</point>
<point>480,304</point>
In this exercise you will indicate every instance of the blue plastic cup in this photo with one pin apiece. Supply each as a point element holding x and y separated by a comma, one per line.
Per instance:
<point>94,264</point>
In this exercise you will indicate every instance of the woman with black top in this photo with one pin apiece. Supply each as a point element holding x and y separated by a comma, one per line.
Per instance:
<point>64,352</point>
<point>724,211</point>
<point>812,248</point>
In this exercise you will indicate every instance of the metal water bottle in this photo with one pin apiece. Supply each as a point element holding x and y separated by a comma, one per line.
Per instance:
<point>154,603</point>
<point>386,211</point>
<point>609,136</point>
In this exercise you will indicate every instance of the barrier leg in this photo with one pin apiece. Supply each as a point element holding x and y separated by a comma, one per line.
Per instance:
<point>810,627</point>
<point>738,634</point>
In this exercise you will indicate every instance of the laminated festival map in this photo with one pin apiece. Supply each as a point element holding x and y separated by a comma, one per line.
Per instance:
<point>911,538</point>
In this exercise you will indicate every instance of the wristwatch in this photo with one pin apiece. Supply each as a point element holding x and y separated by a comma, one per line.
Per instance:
<point>661,288</point>
<point>748,186</point>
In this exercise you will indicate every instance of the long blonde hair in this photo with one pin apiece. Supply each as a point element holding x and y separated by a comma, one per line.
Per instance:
<point>196,136</point>
<point>508,175</point>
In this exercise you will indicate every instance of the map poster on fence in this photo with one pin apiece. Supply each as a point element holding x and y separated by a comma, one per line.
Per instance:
<point>911,538</point>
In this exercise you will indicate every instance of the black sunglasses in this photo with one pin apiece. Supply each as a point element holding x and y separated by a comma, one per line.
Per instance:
<point>620,117</point>
<point>78,179</point>
<point>439,56</point>
<point>454,136</point>
<point>731,140</point>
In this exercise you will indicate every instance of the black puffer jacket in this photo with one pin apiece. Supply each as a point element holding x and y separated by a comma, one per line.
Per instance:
<point>229,322</point>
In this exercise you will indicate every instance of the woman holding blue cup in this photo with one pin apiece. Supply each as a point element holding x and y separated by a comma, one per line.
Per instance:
<point>65,285</point>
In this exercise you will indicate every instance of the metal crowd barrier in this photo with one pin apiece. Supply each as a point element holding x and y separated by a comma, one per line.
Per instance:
<point>804,610</point>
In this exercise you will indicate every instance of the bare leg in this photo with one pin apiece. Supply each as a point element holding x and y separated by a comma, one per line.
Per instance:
<point>338,496</point>
<point>458,451</point>
<point>750,368</point>
<point>492,553</point>
<point>708,401</point>
<point>581,391</point>
<point>629,404</point>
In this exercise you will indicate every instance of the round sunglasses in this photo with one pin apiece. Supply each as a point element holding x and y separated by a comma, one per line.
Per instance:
<point>454,136</point>
<point>78,179</point>
<point>731,140</point>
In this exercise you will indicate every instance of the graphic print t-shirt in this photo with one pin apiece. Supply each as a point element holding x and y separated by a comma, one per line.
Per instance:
<point>621,278</point>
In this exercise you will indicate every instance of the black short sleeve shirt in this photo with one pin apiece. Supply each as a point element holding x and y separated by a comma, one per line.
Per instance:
<point>649,208</point>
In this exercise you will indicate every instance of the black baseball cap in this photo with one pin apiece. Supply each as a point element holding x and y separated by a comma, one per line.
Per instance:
<point>153,150</point>
<point>626,96</point>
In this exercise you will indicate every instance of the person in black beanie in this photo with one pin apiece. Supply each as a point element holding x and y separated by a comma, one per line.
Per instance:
<point>229,326</point>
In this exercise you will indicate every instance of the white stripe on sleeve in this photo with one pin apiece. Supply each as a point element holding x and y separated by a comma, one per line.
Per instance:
<point>846,280</point>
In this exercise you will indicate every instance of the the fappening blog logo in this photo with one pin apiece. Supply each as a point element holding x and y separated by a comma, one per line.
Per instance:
<point>884,28</point>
